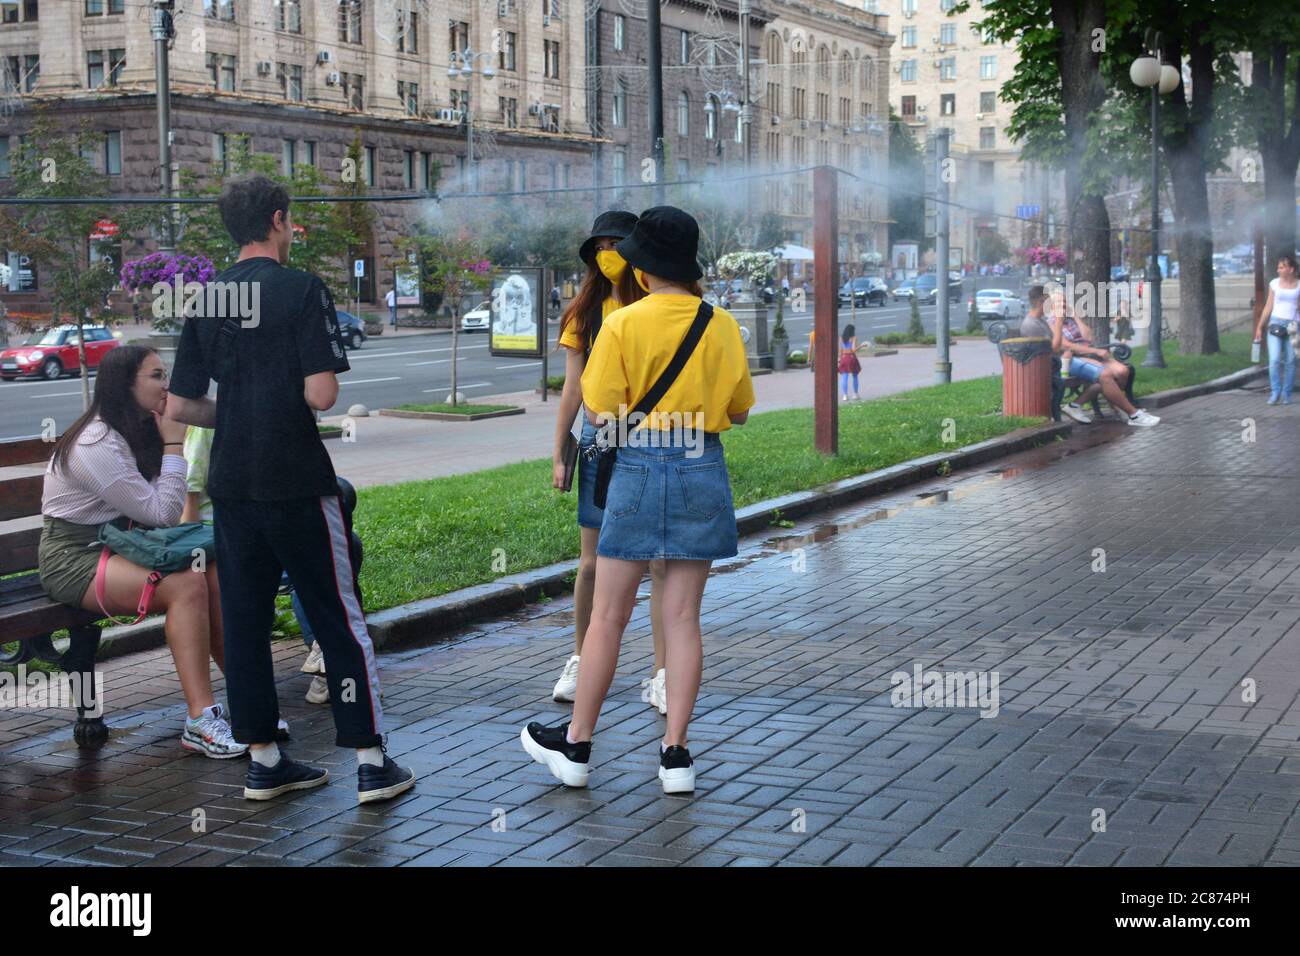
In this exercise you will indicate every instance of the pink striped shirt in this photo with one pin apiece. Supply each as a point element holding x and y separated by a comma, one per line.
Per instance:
<point>102,482</point>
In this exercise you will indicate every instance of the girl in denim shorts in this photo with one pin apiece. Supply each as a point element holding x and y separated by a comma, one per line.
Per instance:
<point>669,497</point>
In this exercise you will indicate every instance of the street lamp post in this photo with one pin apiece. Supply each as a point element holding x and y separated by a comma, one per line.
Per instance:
<point>467,57</point>
<point>1149,71</point>
<point>162,31</point>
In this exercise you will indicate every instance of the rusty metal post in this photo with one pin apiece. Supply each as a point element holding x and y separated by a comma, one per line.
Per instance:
<point>826,284</point>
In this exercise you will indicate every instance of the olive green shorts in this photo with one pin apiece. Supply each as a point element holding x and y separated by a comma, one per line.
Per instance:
<point>68,556</point>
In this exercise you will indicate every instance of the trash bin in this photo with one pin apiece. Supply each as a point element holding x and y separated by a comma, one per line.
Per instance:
<point>1026,377</point>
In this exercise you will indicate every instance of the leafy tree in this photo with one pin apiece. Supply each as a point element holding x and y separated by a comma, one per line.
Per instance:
<point>907,183</point>
<point>1273,113</point>
<point>915,330</point>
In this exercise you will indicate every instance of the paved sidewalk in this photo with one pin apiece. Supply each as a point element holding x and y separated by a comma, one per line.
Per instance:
<point>1121,693</point>
<point>389,450</point>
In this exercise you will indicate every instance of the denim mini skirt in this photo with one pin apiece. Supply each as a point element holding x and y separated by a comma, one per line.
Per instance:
<point>589,516</point>
<point>670,501</point>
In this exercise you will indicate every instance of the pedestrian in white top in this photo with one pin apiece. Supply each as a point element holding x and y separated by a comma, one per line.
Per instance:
<point>122,458</point>
<point>1279,315</point>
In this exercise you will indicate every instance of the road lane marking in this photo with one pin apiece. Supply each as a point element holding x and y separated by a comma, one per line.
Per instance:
<point>353,356</point>
<point>518,365</point>
<point>447,387</point>
<point>429,362</point>
<point>367,381</point>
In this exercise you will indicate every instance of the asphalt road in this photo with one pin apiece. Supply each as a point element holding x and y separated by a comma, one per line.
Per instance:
<point>417,368</point>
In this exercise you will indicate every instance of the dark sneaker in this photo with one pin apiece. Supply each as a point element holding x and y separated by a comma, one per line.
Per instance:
<point>550,746</point>
<point>265,783</point>
<point>677,770</point>
<point>382,783</point>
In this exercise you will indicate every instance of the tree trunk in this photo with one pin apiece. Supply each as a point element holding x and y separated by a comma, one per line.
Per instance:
<point>1082,93</point>
<point>1279,147</point>
<point>81,362</point>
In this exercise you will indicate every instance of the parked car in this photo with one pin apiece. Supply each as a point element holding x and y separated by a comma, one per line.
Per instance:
<point>905,291</point>
<point>998,304</point>
<point>867,290</point>
<point>476,319</point>
<point>927,285</point>
<point>354,330</point>
<point>51,353</point>
<point>1118,274</point>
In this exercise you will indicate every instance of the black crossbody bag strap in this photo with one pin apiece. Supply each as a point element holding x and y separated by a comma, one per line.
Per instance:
<point>605,463</point>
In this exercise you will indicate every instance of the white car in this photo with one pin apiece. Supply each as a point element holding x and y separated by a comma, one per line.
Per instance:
<point>998,304</point>
<point>476,319</point>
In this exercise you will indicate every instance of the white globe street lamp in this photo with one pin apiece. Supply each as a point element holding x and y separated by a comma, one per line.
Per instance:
<point>1150,73</point>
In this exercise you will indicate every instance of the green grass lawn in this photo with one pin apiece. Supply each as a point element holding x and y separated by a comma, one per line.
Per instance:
<point>453,409</point>
<point>1186,370</point>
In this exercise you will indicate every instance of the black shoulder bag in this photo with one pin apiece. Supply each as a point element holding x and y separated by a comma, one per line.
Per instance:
<point>609,453</point>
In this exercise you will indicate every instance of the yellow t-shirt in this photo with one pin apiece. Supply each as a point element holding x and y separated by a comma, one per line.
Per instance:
<point>570,338</point>
<point>637,342</point>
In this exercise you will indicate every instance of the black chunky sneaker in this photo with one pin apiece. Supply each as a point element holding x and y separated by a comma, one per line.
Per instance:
<point>550,746</point>
<point>383,783</point>
<point>264,783</point>
<point>677,770</point>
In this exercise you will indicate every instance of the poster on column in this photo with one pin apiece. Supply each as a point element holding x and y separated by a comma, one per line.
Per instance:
<point>517,326</point>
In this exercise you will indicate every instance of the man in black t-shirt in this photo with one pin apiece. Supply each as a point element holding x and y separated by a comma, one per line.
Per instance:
<point>270,338</point>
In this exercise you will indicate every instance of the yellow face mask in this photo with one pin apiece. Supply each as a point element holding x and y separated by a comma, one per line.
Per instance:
<point>640,279</point>
<point>611,265</point>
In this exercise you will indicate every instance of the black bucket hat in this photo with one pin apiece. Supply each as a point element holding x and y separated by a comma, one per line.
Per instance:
<point>614,223</point>
<point>664,243</point>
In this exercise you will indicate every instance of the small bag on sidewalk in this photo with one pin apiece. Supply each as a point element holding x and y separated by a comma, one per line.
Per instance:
<point>609,449</point>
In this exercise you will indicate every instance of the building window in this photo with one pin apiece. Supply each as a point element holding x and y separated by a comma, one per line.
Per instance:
<point>6,167</point>
<point>947,5</point>
<point>288,15</point>
<point>620,103</point>
<point>288,155</point>
<point>551,119</point>
<point>113,152</point>
<point>987,35</point>
<point>354,91</point>
<point>986,173</point>
<point>350,21</point>
<point>988,101</point>
<point>908,37</point>
<point>907,71</point>
<point>620,167</point>
<point>684,46</point>
<point>798,103</point>
<point>909,8</point>
<point>947,33</point>
<point>712,106</point>
<point>683,170</point>
<point>988,68</point>
<point>409,94</point>
<point>214,9</point>
<point>823,106</point>
<point>423,167</point>
<point>683,114</point>
<point>460,101</point>
<point>506,58</point>
<point>773,48</point>
<point>368,166</point>
<point>988,137</point>
<point>290,76</point>
<point>99,8</point>
<point>219,155</point>
<point>221,70</point>
<point>458,36</point>
<point>823,63</point>
<point>909,105</point>
<point>408,31</point>
<point>846,110</point>
<point>509,111</point>
<point>947,104</point>
<point>94,69</point>
<point>948,68</point>
<point>620,31</point>
<point>846,69</point>
<point>308,152</point>
<point>552,64</point>
<point>408,169</point>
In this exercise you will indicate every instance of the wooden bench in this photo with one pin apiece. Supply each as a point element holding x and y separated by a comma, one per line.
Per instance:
<point>27,615</point>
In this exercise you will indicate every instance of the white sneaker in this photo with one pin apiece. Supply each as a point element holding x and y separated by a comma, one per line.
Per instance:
<point>210,735</point>
<point>1077,413</point>
<point>677,770</point>
<point>319,691</point>
<point>566,688</point>
<point>1143,419</point>
<point>315,662</point>
<point>659,691</point>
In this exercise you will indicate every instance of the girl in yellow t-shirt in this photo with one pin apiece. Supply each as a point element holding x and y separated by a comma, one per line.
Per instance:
<point>669,496</point>
<point>607,286</point>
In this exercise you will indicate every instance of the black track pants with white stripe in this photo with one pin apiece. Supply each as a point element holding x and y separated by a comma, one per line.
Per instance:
<point>308,537</point>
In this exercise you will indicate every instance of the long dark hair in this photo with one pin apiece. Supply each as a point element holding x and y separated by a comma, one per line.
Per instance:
<point>114,403</point>
<point>847,335</point>
<point>585,309</point>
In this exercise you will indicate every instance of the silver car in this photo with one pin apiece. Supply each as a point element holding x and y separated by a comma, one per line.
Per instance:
<point>998,304</point>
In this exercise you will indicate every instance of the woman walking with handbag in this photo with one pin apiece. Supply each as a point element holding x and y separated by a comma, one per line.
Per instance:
<point>607,286</point>
<point>848,363</point>
<point>122,460</point>
<point>1279,315</point>
<point>680,366</point>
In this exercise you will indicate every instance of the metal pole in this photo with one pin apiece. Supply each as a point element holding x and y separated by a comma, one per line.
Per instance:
<point>942,366</point>
<point>825,310</point>
<point>161,29</point>
<point>1155,356</point>
<point>654,58</point>
<point>745,112</point>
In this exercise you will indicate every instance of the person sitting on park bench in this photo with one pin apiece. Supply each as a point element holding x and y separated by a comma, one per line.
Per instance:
<point>1094,365</point>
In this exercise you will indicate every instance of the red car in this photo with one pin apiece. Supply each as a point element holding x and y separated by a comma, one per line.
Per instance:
<point>51,353</point>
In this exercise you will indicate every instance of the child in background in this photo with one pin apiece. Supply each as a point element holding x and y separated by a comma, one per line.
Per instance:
<point>198,507</point>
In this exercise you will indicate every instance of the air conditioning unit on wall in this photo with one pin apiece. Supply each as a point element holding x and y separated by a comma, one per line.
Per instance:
<point>333,79</point>
<point>265,67</point>
<point>324,56</point>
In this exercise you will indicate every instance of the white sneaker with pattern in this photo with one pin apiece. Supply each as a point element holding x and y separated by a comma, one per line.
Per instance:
<point>566,688</point>
<point>209,734</point>
<point>659,691</point>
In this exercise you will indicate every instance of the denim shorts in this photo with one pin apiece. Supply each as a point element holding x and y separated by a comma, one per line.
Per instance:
<point>589,516</point>
<point>663,504</point>
<point>1087,370</point>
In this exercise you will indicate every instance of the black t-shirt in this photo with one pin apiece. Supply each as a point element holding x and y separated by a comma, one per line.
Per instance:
<point>266,446</point>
